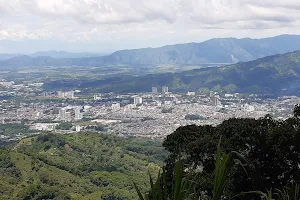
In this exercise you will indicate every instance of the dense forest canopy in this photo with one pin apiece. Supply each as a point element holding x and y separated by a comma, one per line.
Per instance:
<point>271,149</point>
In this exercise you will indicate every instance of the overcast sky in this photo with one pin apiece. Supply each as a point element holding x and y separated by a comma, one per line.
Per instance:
<point>27,26</point>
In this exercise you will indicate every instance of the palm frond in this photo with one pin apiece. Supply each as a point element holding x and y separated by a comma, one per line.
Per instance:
<point>224,164</point>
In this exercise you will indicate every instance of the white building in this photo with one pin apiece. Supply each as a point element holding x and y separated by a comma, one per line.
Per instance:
<point>165,90</point>
<point>60,94</point>
<point>67,95</point>
<point>137,100</point>
<point>86,108</point>
<point>7,83</point>
<point>168,102</point>
<point>44,126</point>
<point>229,95</point>
<point>116,106</point>
<point>216,100</point>
<point>62,114</point>
<point>129,107</point>
<point>78,114</point>
<point>97,97</point>
<point>68,117</point>
<point>154,90</point>
<point>191,94</point>
<point>78,128</point>
<point>249,108</point>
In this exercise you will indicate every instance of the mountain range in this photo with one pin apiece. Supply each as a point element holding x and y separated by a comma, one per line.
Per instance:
<point>221,50</point>
<point>8,56</point>
<point>62,54</point>
<point>52,54</point>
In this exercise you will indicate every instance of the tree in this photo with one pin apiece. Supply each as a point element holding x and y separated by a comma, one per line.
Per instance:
<point>272,149</point>
<point>297,111</point>
<point>183,182</point>
<point>64,126</point>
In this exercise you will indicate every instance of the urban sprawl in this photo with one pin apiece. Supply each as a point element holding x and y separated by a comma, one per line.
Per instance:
<point>153,115</point>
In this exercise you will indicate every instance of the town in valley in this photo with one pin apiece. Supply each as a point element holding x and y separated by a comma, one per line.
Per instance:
<point>26,109</point>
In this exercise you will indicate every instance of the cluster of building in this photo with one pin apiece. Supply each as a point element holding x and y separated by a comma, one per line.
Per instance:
<point>164,90</point>
<point>5,83</point>
<point>65,94</point>
<point>70,113</point>
<point>154,114</point>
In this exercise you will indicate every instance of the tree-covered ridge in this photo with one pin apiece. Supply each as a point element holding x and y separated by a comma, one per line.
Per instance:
<point>270,150</point>
<point>78,166</point>
<point>279,74</point>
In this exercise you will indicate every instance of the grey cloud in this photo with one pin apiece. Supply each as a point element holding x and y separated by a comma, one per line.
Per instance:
<point>216,12</point>
<point>102,12</point>
<point>90,19</point>
<point>247,25</point>
<point>289,4</point>
<point>170,11</point>
<point>7,7</point>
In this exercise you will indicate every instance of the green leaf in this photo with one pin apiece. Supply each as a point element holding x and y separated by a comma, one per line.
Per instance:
<point>138,192</point>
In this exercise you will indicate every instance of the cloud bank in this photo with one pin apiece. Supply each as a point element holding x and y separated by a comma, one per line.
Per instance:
<point>118,20</point>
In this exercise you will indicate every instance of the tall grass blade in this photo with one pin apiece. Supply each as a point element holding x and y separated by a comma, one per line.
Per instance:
<point>165,185</point>
<point>138,192</point>
<point>159,187</point>
<point>153,189</point>
<point>178,179</point>
<point>223,167</point>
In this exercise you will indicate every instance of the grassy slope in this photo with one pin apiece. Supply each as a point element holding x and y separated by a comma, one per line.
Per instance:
<point>78,166</point>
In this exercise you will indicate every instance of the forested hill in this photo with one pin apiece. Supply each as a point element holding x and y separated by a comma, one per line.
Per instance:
<point>77,166</point>
<point>279,74</point>
<point>219,50</point>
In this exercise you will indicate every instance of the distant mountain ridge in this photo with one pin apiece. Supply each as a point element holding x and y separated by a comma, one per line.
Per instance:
<point>222,50</point>
<point>8,56</point>
<point>62,54</point>
<point>52,54</point>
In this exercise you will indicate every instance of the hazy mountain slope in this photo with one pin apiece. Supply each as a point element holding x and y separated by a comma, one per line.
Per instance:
<point>62,54</point>
<point>7,56</point>
<point>279,74</point>
<point>223,50</point>
<point>26,61</point>
<point>270,46</point>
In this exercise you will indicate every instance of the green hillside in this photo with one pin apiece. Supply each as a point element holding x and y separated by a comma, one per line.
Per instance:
<point>279,74</point>
<point>77,166</point>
